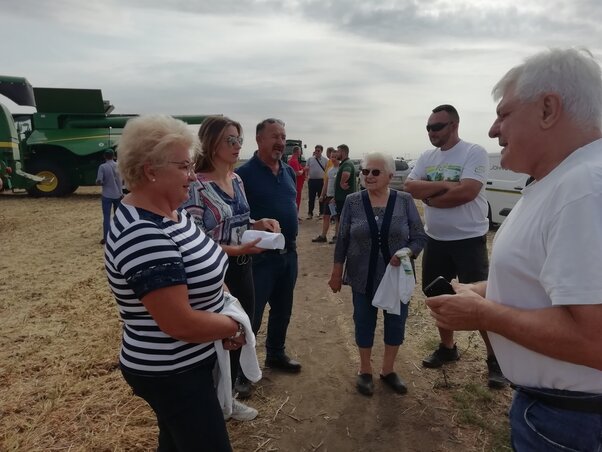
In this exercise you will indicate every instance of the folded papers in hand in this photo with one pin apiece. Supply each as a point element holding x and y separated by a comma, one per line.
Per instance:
<point>269,240</point>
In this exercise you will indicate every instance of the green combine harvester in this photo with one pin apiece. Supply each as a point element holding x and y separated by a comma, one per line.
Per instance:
<point>58,148</point>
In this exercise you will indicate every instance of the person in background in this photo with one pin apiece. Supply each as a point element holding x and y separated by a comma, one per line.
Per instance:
<point>167,278</point>
<point>108,177</point>
<point>345,183</point>
<point>542,303</point>
<point>316,170</point>
<point>327,195</point>
<point>450,181</point>
<point>271,192</point>
<point>218,205</point>
<point>374,224</point>
<point>295,163</point>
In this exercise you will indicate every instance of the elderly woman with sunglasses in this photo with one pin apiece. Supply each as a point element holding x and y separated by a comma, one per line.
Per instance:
<point>167,278</point>
<point>219,207</point>
<point>374,224</point>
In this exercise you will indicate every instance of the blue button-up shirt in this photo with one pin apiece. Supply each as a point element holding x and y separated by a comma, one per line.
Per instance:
<point>272,196</point>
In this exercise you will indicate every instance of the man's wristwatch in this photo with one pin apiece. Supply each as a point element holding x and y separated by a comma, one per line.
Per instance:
<point>239,332</point>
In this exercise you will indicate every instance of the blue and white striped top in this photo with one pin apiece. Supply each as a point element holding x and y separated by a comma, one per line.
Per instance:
<point>145,252</point>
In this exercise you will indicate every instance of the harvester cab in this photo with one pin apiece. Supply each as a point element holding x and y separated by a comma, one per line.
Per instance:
<point>12,175</point>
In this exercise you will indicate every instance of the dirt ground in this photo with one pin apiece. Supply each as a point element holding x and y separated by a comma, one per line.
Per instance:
<point>61,389</point>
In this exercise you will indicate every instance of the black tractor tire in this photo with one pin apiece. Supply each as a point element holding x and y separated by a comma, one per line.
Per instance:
<point>57,179</point>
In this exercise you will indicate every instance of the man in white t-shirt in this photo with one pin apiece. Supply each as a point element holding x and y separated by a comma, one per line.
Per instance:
<point>316,167</point>
<point>450,181</point>
<point>542,303</point>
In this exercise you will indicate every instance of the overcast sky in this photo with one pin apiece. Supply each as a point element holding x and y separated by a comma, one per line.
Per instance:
<point>361,72</point>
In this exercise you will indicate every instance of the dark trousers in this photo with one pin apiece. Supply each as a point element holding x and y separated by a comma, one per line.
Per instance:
<point>188,412</point>
<point>314,188</point>
<point>463,259</point>
<point>107,203</point>
<point>239,279</point>
<point>274,276</point>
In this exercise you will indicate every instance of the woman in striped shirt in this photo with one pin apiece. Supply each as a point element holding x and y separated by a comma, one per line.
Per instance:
<point>167,278</point>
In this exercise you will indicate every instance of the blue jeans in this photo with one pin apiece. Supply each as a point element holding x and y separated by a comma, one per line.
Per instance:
<point>107,203</point>
<point>364,318</point>
<point>539,427</point>
<point>188,412</point>
<point>274,277</point>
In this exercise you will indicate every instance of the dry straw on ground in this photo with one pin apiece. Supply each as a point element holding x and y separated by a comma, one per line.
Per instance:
<point>61,389</point>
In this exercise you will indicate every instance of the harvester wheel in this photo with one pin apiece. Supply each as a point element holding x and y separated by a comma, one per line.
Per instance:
<point>56,181</point>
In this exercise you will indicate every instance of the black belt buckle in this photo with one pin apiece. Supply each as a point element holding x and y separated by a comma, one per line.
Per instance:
<point>566,400</point>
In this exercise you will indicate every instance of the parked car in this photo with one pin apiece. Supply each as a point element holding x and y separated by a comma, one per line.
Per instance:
<point>503,190</point>
<point>402,170</point>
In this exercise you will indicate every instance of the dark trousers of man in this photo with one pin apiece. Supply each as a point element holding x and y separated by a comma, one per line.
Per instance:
<point>314,188</point>
<point>239,279</point>
<point>107,203</point>
<point>465,259</point>
<point>274,276</point>
<point>188,412</point>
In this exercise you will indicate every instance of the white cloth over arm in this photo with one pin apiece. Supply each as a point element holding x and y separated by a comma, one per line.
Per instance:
<point>397,284</point>
<point>248,356</point>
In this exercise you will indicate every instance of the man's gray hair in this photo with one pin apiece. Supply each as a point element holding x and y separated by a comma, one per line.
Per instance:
<point>387,159</point>
<point>573,74</point>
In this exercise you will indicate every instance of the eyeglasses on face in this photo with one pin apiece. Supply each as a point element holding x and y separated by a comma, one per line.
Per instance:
<point>184,165</point>
<point>233,140</point>
<point>367,171</point>
<point>437,126</point>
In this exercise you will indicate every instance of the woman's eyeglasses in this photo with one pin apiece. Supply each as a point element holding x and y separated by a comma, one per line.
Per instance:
<point>375,172</point>
<point>436,127</point>
<point>233,140</point>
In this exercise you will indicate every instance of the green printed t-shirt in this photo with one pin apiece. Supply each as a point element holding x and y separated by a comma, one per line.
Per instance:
<point>345,166</point>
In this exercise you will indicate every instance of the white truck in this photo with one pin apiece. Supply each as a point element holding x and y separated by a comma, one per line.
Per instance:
<point>503,190</point>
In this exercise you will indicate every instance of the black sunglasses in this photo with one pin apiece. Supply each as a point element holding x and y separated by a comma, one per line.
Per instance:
<point>375,172</point>
<point>436,127</point>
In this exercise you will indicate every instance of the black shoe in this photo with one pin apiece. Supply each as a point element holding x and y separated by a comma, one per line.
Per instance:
<point>364,385</point>
<point>319,239</point>
<point>333,240</point>
<point>283,363</point>
<point>395,383</point>
<point>243,387</point>
<point>441,356</point>
<point>495,377</point>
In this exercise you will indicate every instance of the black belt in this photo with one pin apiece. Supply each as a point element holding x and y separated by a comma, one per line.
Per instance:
<point>282,251</point>
<point>565,400</point>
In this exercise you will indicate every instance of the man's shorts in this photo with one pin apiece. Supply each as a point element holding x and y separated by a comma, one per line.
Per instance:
<point>467,260</point>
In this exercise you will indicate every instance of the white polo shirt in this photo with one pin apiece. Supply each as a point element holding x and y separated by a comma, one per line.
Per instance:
<point>548,252</point>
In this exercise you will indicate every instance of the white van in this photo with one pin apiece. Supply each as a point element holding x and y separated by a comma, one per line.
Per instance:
<point>503,189</point>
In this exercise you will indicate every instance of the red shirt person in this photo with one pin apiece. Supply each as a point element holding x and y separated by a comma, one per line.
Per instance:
<point>295,164</point>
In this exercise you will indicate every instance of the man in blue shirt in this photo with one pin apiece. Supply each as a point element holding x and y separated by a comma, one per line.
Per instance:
<point>112,191</point>
<point>270,186</point>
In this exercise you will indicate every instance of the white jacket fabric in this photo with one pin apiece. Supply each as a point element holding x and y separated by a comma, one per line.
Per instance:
<point>397,284</point>
<point>248,356</point>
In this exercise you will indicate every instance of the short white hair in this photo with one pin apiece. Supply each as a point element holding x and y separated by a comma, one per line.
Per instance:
<point>387,159</point>
<point>573,74</point>
<point>147,139</point>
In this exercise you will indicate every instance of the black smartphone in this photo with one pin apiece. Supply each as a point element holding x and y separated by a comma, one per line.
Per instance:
<point>440,286</point>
